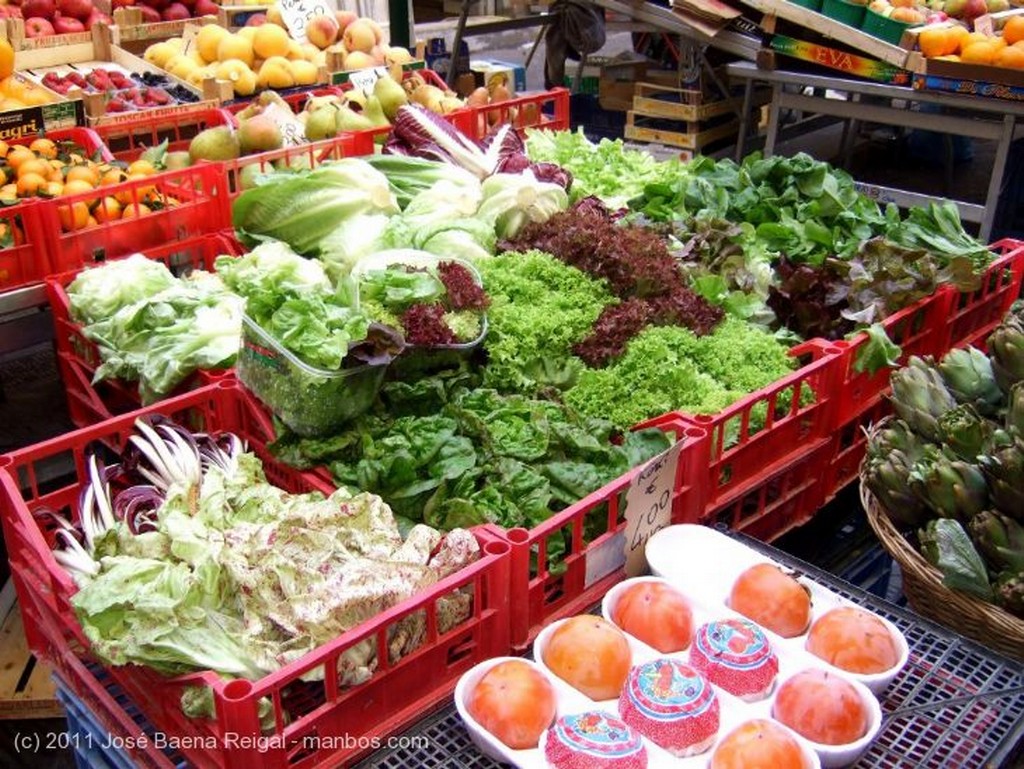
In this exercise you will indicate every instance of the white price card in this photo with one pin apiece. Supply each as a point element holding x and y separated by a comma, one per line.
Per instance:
<point>188,37</point>
<point>985,25</point>
<point>293,132</point>
<point>649,506</point>
<point>296,13</point>
<point>366,79</point>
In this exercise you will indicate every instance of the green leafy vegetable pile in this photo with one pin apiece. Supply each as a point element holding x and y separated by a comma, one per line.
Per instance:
<point>152,327</point>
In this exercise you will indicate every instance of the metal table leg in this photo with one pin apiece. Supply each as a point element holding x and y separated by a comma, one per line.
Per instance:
<point>773,120</point>
<point>744,129</point>
<point>995,184</point>
<point>460,28</point>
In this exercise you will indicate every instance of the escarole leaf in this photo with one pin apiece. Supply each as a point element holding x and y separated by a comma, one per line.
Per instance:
<point>303,209</point>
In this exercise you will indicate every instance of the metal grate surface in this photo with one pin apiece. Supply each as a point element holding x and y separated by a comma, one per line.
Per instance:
<point>956,704</point>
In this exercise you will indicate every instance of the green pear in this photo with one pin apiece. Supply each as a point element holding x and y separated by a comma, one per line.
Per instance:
<point>175,160</point>
<point>219,143</point>
<point>390,95</point>
<point>374,112</point>
<point>348,119</point>
<point>322,124</point>
<point>259,134</point>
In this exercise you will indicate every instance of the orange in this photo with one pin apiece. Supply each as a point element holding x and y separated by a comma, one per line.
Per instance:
<point>9,191</point>
<point>998,42</point>
<point>141,168</point>
<point>3,177</point>
<point>74,216</point>
<point>75,186</point>
<point>4,149</point>
<point>34,166</point>
<point>1013,30</point>
<point>135,210</point>
<point>938,41</point>
<point>19,154</point>
<point>83,173</point>
<point>979,53</point>
<point>6,59</point>
<point>972,37</point>
<point>1011,57</point>
<point>112,176</point>
<point>30,184</point>
<point>137,193</point>
<point>52,189</point>
<point>44,148</point>
<point>107,210</point>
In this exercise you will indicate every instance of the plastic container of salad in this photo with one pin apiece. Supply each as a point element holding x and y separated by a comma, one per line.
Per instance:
<point>311,401</point>
<point>415,358</point>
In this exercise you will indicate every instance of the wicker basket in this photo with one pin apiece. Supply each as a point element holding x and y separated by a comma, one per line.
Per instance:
<point>984,622</point>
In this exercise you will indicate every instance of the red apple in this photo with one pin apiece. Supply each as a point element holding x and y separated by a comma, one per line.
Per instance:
<point>190,4</point>
<point>974,9</point>
<point>76,9</point>
<point>256,20</point>
<point>175,12</point>
<point>149,14</point>
<point>38,9</point>
<point>65,25</point>
<point>98,18</point>
<point>157,5</point>
<point>114,4</point>
<point>206,8</point>
<point>37,27</point>
<point>344,19</point>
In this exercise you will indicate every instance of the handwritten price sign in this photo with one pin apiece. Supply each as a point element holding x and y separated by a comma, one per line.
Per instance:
<point>367,78</point>
<point>296,13</point>
<point>293,132</point>
<point>649,506</point>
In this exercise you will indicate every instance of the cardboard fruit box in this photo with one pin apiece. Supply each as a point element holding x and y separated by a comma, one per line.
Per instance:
<point>32,120</point>
<point>113,101</point>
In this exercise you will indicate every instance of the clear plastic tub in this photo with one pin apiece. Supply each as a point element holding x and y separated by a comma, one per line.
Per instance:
<point>418,359</point>
<point>311,401</point>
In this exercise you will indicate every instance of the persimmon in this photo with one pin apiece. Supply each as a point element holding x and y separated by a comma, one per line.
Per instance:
<point>656,614</point>
<point>514,702</point>
<point>823,707</point>
<point>853,640</point>
<point>773,599</point>
<point>758,744</point>
<point>589,654</point>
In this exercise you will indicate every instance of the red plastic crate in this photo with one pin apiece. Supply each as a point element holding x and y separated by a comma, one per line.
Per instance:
<point>848,446</point>
<point>202,209</point>
<point>86,138</point>
<point>127,141</point>
<point>737,455</point>
<point>26,260</point>
<point>588,568</point>
<point>296,99</point>
<point>971,316</point>
<point>329,725</point>
<point>549,110</point>
<point>78,358</point>
<point>784,496</point>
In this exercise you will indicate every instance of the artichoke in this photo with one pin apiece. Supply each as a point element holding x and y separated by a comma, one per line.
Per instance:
<point>949,486</point>
<point>999,539</point>
<point>1003,468</point>
<point>969,378</point>
<point>1014,421</point>
<point>892,450</point>
<point>1009,592</point>
<point>920,397</point>
<point>966,432</point>
<point>1006,349</point>
<point>891,435</point>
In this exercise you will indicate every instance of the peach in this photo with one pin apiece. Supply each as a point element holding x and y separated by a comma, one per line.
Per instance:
<point>359,36</point>
<point>322,31</point>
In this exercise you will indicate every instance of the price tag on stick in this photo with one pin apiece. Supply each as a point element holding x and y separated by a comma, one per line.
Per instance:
<point>297,13</point>
<point>649,506</point>
<point>293,132</point>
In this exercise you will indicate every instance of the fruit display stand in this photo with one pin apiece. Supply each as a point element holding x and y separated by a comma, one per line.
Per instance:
<point>127,86</point>
<point>129,139</point>
<point>305,715</point>
<point>90,402</point>
<point>134,34</point>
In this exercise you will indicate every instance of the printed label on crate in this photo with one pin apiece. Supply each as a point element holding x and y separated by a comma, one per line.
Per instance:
<point>842,61</point>
<point>603,559</point>
<point>649,506</point>
<point>297,13</point>
<point>969,87</point>
<point>293,132</point>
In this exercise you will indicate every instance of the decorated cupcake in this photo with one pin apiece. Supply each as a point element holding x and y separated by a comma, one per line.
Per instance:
<point>672,704</point>
<point>736,655</point>
<point>593,740</point>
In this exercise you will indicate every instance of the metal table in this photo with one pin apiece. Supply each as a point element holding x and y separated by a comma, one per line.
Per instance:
<point>866,101</point>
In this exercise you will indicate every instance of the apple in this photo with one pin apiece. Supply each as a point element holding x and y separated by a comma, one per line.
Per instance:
<point>344,19</point>
<point>149,14</point>
<point>256,20</point>
<point>175,12</point>
<point>39,9</point>
<point>936,17</point>
<point>157,5</point>
<point>206,8</point>
<point>322,31</point>
<point>974,8</point>
<point>66,25</point>
<point>37,27</point>
<point>98,18</point>
<point>76,9</point>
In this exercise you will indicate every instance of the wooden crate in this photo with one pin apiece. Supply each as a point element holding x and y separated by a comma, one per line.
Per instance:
<point>26,686</point>
<point>234,17</point>
<point>644,129</point>
<point>134,35</point>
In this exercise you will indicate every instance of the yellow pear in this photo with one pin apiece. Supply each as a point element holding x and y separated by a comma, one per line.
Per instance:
<point>158,53</point>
